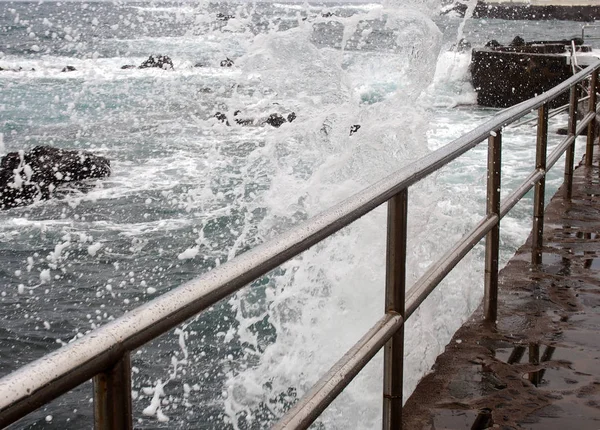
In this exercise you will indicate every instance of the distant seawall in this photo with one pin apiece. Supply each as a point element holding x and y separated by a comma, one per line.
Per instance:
<point>536,10</point>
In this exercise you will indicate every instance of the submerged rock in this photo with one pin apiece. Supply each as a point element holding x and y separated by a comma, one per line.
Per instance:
<point>275,119</point>
<point>159,61</point>
<point>128,66</point>
<point>26,177</point>
<point>224,16</point>
<point>227,62</point>
<point>18,69</point>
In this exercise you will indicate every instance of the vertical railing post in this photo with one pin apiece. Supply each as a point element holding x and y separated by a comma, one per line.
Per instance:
<point>591,131</point>
<point>393,361</point>
<point>534,359</point>
<point>112,397</point>
<point>492,239</point>
<point>540,186</point>
<point>570,155</point>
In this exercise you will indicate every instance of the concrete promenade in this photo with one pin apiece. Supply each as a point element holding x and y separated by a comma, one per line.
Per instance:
<point>539,366</point>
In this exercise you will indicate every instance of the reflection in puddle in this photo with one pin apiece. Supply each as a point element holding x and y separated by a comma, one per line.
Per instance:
<point>463,419</point>
<point>593,263</point>
<point>515,356</point>
<point>555,378</point>
<point>556,264</point>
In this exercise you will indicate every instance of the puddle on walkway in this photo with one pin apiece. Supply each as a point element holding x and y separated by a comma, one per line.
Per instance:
<point>565,414</point>
<point>447,419</point>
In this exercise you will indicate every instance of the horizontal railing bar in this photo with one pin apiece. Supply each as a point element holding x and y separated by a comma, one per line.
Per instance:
<point>156,317</point>
<point>552,114</point>
<point>436,273</point>
<point>558,151</point>
<point>84,361</point>
<point>555,155</point>
<point>316,400</point>
<point>513,198</point>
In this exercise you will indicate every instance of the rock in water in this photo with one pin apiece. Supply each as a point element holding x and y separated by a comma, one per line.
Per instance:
<point>26,177</point>
<point>160,61</point>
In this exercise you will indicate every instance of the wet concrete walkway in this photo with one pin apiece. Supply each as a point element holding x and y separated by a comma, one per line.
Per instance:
<point>539,368</point>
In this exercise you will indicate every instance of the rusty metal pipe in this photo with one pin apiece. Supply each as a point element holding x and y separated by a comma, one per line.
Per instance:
<point>540,186</point>
<point>112,397</point>
<point>591,132</point>
<point>570,157</point>
<point>395,288</point>
<point>492,240</point>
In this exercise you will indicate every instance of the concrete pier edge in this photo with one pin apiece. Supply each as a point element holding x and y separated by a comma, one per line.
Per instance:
<point>538,367</point>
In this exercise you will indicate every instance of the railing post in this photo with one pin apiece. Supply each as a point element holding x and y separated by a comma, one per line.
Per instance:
<point>540,186</point>
<point>393,361</point>
<point>492,240</point>
<point>591,131</point>
<point>112,397</point>
<point>570,155</point>
<point>534,359</point>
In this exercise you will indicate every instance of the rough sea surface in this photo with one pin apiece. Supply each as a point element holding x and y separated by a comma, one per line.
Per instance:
<point>187,192</point>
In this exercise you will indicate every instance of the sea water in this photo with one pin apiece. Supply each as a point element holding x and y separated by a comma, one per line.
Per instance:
<point>188,193</point>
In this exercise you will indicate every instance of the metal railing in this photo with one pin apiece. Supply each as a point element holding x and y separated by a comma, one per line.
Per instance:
<point>104,354</point>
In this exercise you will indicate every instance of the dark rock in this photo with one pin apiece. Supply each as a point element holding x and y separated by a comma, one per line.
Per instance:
<point>26,177</point>
<point>68,69</point>
<point>12,70</point>
<point>159,61</point>
<point>224,17</point>
<point>327,14</point>
<point>227,62</point>
<point>222,117</point>
<point>199,65</point>
<point>129,66</point>
<point>517,41</point>
<point>493,43</point>
<point>242,121</point>
<point>506,75</point>
<point>276,120</point>
<point>354,128</point>
<point>457,7</point>
<point>523,10</point>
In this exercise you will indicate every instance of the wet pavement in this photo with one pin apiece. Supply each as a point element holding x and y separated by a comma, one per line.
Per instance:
<point>539,366</point>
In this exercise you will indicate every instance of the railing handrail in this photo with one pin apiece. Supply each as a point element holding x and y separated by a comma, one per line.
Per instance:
<point>59,371</point>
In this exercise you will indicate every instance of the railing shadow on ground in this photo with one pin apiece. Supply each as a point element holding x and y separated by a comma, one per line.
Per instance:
<point>104,354</point>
